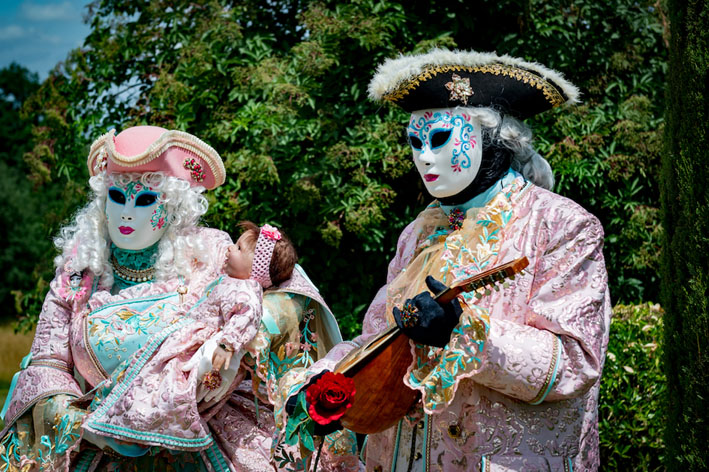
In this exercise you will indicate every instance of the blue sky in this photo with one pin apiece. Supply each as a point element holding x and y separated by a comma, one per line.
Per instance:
<point>39,33</point>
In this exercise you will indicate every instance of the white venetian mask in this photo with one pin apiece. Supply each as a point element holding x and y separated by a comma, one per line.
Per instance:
<point>447,147</point>
<point>137,218</point>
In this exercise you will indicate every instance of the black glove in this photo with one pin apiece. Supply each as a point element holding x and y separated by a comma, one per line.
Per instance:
<point>424,320</point>
<point>319,430</point>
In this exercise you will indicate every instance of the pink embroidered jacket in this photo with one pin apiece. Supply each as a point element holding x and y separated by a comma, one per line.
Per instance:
<point>57,349</point>
<point>531,402</point>
<point>241,425</point>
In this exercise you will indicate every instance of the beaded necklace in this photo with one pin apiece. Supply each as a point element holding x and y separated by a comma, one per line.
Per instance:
<point>133,267</point>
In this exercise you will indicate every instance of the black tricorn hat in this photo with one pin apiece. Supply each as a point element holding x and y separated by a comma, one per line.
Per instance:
<point>447,79</point>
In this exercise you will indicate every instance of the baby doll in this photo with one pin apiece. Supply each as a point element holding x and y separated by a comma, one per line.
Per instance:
<point>265,255</point>
<point>215,329</point>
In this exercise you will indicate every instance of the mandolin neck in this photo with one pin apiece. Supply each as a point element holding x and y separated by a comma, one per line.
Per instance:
<point>483,279</point>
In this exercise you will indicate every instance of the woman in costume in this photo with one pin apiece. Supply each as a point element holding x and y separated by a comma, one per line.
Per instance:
<point>145,233</point>
<point>509,381</point>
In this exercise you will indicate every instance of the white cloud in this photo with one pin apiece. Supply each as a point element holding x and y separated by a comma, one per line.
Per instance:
<point>12,32</point>
<point>52,39</point>
<point>48,11</point>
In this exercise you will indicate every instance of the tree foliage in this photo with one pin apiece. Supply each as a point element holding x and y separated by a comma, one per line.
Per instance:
<point>685,202</point>
<point>279,89</point>
<point>29,217</point>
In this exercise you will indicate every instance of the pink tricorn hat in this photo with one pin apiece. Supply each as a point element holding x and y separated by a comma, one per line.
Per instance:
<point>154,149</point>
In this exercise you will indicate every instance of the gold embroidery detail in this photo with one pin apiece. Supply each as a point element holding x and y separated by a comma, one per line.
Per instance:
<point>429,431</point>
<point>90,349</point>
<point>550,92</point>
<point>550,372</point>
<point>54,364</point>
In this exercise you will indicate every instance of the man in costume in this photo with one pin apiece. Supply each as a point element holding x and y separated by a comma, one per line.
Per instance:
<point>86,398</point>
<point>508,381</point>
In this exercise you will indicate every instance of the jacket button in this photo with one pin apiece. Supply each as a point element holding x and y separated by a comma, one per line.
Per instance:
<point>454,430</point>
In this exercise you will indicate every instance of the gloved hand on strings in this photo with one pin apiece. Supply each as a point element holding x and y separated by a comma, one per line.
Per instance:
<point>426,321</point>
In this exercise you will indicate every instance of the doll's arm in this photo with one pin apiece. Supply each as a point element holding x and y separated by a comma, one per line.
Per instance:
<point>238,303</point>
<point>240,306</point>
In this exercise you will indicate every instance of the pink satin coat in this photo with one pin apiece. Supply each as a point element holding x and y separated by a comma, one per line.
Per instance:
<point>159,407</point>
<point>532,403</point>
<point>53,358</point>
<point>241,425</point>
<point>61,364</point>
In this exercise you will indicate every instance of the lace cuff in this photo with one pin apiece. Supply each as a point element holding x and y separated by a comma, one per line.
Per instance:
<point>436,372</point>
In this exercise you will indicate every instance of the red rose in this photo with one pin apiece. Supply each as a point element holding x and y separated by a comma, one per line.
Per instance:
<point>330,397</point>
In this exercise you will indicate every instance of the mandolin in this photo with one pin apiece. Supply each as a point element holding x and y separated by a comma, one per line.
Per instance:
<point>378,367</point>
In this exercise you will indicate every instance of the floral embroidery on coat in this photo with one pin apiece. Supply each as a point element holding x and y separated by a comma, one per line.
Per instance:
<point>437,371</point>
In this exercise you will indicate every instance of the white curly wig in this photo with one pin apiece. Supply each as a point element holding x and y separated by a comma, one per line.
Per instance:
<point>509,132</point>
<point>86,243</point>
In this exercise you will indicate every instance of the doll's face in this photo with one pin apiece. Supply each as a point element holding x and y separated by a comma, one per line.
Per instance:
<point>137,217</point>
<point>447,148</point>
<point>238,260</point>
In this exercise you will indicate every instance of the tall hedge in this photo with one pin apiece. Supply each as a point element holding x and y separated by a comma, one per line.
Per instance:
<point>685,261</point>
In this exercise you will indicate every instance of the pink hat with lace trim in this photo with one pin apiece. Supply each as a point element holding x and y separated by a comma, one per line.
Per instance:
<point>266,242</point>
<point>154,149</point>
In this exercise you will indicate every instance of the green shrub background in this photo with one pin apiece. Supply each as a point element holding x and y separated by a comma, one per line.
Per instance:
<point>630,412</point>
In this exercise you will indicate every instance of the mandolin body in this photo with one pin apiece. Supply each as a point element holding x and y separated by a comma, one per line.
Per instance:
<point>378,370</point>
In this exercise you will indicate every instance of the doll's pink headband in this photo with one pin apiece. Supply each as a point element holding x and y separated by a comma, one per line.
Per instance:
<point>267,238</point>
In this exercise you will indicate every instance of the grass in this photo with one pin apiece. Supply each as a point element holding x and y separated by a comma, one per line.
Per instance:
<point>14,348</point>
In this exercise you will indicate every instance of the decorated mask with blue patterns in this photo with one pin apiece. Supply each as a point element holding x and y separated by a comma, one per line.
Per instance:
<point>137,215</point>
<point>447,149</point>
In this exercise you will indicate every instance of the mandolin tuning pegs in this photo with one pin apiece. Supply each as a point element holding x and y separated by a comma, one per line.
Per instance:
<point>487,291</point>
<point>478,295</point>
<point>512,277</point>
<point>496,287</point>
<point>505,285</point>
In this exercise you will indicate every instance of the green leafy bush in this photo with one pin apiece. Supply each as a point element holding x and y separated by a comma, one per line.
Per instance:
<point>279,89</point>
<point>630,412</point>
